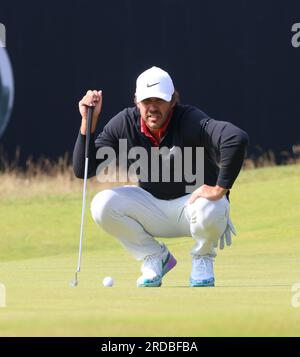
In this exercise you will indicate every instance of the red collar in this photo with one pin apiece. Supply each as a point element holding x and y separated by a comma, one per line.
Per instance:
<point>160,132</point>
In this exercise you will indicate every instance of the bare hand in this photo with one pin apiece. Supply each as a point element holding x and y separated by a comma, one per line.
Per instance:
<point>93,99</point>
<point>212,193</point>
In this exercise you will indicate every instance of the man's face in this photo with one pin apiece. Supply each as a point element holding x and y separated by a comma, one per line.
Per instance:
<point>155,111</point>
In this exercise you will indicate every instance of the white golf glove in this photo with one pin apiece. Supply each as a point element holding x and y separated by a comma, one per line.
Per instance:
<point>227,235</point>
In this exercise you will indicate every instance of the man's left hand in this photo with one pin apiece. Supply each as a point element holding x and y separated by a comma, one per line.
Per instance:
<point>212,193</point>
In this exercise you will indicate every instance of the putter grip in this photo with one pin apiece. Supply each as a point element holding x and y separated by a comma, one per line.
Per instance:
<point>88,130</point>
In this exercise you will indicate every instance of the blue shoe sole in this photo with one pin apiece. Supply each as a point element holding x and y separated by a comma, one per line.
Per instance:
<point>150,284</point>
<point>202,283</point>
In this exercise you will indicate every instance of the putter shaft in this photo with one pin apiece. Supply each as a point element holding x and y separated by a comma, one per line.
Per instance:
<point>86,165</point>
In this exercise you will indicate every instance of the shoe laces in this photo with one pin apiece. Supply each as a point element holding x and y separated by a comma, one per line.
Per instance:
<point>152,264</point>
<point>201,264</point>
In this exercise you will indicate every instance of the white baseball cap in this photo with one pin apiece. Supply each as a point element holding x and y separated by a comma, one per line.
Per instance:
<point>154,83</point>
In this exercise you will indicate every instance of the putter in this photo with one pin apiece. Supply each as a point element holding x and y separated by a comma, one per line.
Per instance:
<point>74,282</point>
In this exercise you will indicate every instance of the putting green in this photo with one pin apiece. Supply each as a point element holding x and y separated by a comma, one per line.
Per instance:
<point>254,277</point>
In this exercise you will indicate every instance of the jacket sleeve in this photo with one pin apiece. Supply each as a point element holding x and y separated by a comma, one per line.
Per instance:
<point>107,138</point>
<point>231,143</point>
<point>79,156</point>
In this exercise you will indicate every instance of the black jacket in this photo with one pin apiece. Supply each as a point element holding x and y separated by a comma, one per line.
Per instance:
<point>224,147</point>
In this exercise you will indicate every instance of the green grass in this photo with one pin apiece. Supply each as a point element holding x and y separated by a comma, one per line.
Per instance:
<point>38,254</point>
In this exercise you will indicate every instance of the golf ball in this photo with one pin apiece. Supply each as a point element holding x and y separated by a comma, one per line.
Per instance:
<point>108,281</point>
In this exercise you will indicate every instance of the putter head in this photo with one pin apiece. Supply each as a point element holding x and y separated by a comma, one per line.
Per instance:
<point>74,282</point>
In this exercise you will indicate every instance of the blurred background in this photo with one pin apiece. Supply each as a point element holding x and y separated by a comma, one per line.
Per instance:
<point>237,60</point>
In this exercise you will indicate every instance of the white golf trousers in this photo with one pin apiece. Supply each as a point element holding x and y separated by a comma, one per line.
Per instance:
<point>135,217</point>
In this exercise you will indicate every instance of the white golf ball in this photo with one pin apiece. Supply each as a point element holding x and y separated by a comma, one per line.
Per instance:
<point>108,281</point>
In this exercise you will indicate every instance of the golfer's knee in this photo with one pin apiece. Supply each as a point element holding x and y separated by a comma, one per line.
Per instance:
<point>205,214</point>
<point>103,205</point>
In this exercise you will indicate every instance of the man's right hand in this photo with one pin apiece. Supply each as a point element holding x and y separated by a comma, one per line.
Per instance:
<point>93,99</point>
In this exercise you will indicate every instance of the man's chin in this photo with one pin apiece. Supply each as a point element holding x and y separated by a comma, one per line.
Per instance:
<point>155,123</point>
<point>155,126</point>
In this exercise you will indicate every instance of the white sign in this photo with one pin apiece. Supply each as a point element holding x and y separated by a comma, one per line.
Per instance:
<point>6,89</point>
<point>2,36</point>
